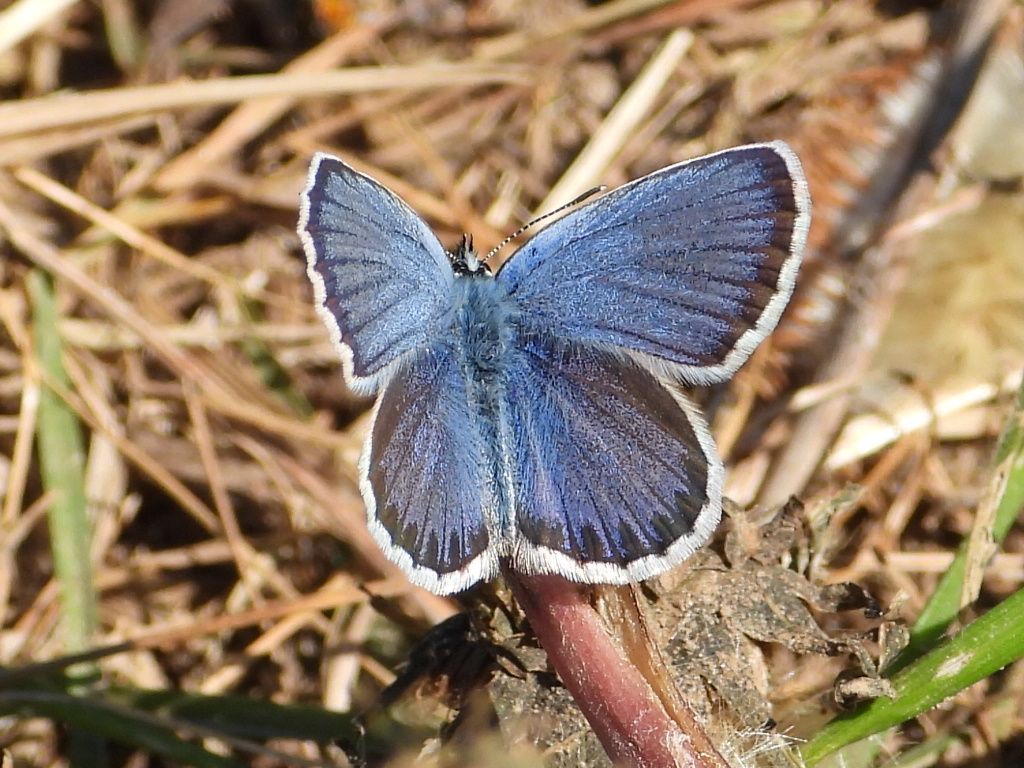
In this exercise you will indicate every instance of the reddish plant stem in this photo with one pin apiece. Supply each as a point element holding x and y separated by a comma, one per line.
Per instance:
<point>621,707</point>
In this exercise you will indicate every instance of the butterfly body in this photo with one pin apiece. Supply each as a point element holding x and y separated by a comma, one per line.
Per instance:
<point>486,339</point>
<point>535,416</point>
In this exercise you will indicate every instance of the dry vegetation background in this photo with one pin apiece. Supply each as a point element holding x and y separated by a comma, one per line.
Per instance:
<point>179,449</point>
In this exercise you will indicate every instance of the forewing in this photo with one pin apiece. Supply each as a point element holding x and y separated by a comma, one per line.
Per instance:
<point>382,280</point>
<point>691,265</point>
<point>617,477</point>
<point>421,476</point>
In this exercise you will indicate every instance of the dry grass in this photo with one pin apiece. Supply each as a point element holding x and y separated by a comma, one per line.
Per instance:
<point>151,155</point>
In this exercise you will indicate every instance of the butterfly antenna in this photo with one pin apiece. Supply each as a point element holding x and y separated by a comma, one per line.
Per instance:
<point>575,201</point>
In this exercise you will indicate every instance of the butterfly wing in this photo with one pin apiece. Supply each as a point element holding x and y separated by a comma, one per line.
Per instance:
<point>688,268</point>
<point>422,478</point>
<point>382,280</point>
<point>384,289</point>
<point>617,478</point>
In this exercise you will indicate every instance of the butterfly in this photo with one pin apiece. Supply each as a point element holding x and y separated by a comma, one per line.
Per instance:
<point>534,416</point>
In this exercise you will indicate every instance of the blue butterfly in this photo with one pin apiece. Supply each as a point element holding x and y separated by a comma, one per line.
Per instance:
<point>535,415</point>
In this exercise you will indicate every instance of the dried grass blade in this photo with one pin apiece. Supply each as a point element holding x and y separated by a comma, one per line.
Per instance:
<point>620,123</point>
<point>68,109</point>
<point>251,118</point>
<point>22,18</point>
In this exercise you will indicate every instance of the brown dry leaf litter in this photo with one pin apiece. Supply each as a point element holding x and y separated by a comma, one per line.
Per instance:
<point>151,155</point>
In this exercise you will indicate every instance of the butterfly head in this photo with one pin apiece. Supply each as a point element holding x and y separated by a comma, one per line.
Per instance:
<point>466,261</point>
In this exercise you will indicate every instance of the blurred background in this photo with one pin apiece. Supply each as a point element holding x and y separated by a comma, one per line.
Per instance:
<point>178,448</point>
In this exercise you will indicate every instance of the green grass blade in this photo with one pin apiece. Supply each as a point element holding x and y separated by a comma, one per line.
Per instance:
<point>984,646</point>
<point>944,604</point>
<point>977,646</point>
<point>61,461</point>
<point>61,458</point>
<point>243,717</point>
<point>94,716</point>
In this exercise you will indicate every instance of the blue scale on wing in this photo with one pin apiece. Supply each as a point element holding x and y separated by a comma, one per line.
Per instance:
<point>608,466</point>
<point>425,471</point>
<point>679,265</point>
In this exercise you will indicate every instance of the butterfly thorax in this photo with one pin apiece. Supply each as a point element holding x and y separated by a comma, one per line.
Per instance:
<point>482,322</point>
